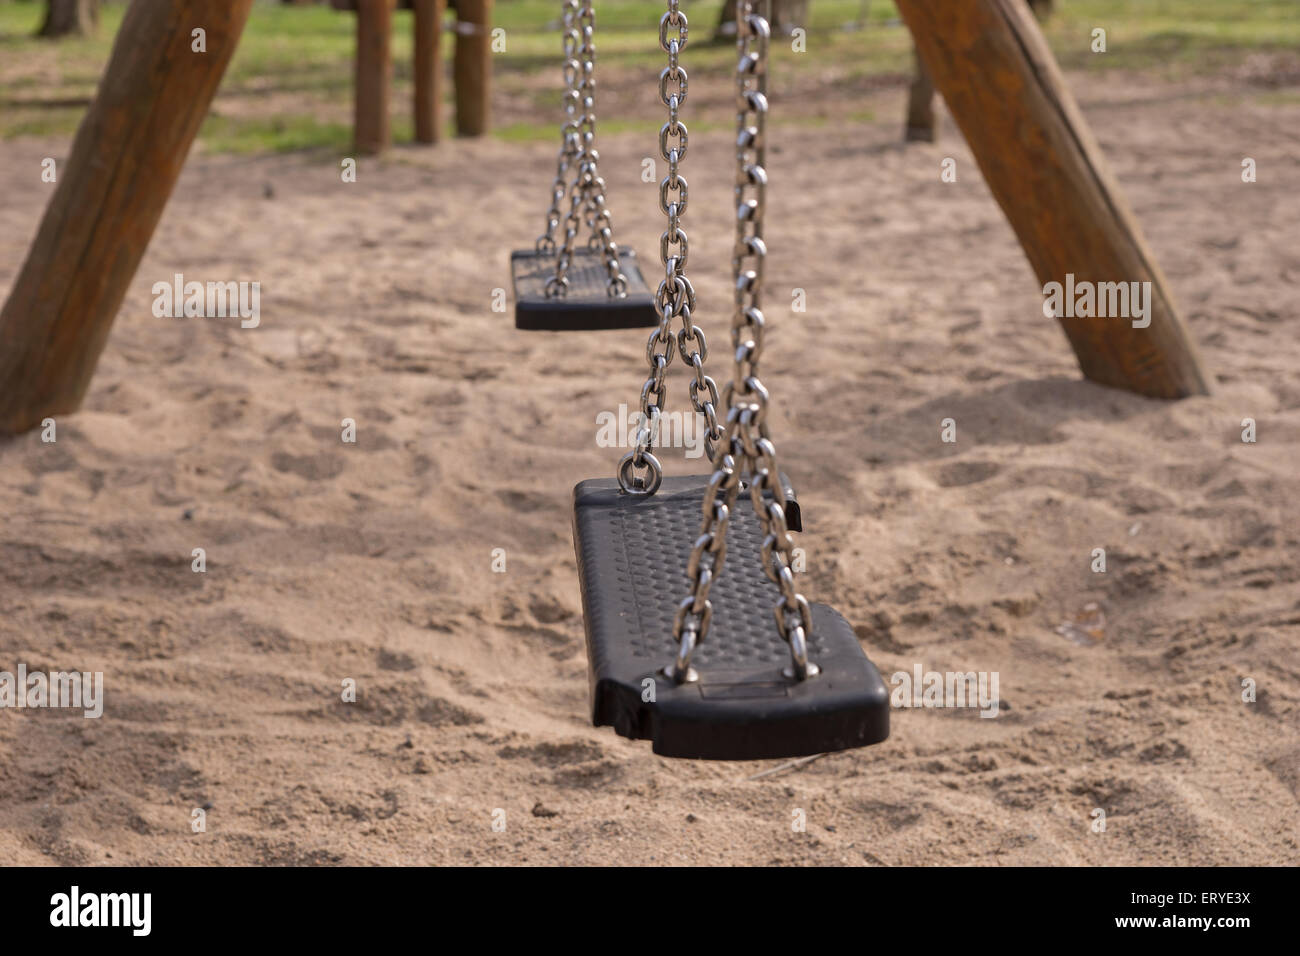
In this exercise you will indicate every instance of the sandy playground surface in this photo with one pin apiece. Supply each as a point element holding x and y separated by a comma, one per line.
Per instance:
<point>371,561</point>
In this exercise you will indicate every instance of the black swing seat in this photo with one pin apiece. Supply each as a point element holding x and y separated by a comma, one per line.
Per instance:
<point>587,306</point>
<point>632,552</point>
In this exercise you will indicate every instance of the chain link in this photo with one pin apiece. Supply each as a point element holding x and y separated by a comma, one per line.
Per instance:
<point>747,449</point>
<point>587,191</point>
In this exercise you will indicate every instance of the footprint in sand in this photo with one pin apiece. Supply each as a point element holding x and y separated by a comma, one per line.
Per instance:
<point>318,467</point>
<point>547,754</point>
<point>966,473</point>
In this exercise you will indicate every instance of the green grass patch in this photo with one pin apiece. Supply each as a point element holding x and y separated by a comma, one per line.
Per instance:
<point>289,86</point>
<point>273,134</point>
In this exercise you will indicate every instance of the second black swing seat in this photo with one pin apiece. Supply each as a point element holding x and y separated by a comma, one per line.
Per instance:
<point>587,306</point>
<point>631,552</point>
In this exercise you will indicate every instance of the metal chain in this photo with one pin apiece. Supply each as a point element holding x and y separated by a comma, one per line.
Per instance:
<point>675,297</point>
<point>691,345</point>
<point>639,471</point>
<point>569,131</point>
<point>749,451</point>
<point>598,217</point>
<point>587,192</point>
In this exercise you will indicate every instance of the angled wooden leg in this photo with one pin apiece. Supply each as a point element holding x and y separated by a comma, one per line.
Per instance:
<point>112,190</point>
<point>998,78</point>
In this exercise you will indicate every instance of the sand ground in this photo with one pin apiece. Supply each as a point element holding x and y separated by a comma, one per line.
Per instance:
<point>372,561</point>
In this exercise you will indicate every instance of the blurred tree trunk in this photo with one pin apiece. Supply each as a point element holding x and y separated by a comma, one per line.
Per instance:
<point>1042,8</point>
<point>786,15</point>
<point>921,126</point>
<point>70,18</point>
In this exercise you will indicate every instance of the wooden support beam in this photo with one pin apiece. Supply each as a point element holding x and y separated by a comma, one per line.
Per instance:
<point>993,67</point>
<point>428,70</point>
<point>111,192</point>
<point>372,127</point>
<point>473,67</point>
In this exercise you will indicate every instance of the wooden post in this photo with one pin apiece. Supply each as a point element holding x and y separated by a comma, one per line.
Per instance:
<point>473,67</point>
<point>428,70</point>
<point>921,122</point>
<point>372,127</point>
<point>111,193</point>
<point>990,62</point>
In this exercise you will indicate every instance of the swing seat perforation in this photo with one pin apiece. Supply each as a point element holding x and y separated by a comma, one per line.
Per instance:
<point>587,306</point>
<point>632,554</point>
